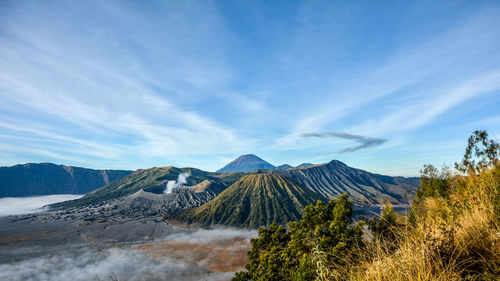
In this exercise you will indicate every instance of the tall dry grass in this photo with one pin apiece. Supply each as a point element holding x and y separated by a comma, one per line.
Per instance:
<point>448,238</point>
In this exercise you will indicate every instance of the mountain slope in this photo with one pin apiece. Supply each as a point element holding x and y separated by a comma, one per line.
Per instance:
<point>47,178</point>
<point>364,188</point>
<point>153,180</point>
<point>165,204</point>
<point>253,201</point>
<point>245,163</point>
<point>144,203</point>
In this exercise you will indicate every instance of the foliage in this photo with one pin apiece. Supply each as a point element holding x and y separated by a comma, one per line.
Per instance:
<point>278,254</point>
<point>454,235</point>
<point>452,238</point>
<point>454,229</point>
<point>433,182</point>
<point>481,153</point>
<point>384,228</point>
<point>266,256</point>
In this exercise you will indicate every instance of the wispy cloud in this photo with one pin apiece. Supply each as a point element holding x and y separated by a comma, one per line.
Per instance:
<point>412,86</point>
<point>112,105</point>
<point>365,142</point>
<point>429,106</point>
<point>132,85</point>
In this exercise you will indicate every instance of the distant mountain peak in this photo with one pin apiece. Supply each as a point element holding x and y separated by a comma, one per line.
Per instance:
<point>283,167</point>
<point>249,156</point>
<point>246,163</point>
<point>306,165</point>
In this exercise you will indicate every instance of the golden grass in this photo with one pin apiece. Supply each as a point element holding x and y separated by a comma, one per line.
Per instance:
<point>453,238</point>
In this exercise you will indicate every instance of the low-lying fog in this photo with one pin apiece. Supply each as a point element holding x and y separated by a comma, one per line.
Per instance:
<point>199,255</point>
<point>25,205</point>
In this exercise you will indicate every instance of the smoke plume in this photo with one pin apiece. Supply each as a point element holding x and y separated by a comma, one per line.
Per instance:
<point>181,180</point>
<point>365,142</point>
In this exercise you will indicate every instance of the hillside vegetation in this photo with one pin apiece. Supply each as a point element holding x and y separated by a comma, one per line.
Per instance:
<point>253,201</point>
<point>450,237</point>
<point>451,233</point>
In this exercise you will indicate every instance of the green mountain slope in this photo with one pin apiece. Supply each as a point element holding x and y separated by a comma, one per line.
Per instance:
<point>253,201</point>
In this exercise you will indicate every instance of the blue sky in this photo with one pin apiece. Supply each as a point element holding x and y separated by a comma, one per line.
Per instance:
<point>117,84</point>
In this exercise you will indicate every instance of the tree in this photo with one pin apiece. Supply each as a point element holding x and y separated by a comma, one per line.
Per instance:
<point>266,259</point>
<point>383,227</point>
<point>278,254</point>
<point>433,183</point>
<point>481,153</point>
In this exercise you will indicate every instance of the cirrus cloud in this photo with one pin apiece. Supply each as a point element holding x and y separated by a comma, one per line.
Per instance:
<point>364,142</point>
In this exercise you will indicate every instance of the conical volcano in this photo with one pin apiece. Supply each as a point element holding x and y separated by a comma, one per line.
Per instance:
<point>246,163</point>
<point>253,201</point>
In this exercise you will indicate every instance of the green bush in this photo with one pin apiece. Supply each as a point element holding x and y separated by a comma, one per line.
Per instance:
<point>383,228</point>
<point>281,254</point>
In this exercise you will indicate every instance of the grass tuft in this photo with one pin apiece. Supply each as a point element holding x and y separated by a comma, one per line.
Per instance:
<point>453,237</point>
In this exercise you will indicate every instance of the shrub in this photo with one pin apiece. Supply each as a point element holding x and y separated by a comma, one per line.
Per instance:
<point>453,234</point>
<point>281,254</point>
<point>385,226</point>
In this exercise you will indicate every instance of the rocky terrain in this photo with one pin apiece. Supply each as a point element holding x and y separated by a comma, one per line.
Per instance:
<point>153,180</point>
<point>150,203</point>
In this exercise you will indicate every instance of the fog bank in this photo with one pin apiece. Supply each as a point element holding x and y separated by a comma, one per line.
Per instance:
<point>32,204</point>
<point>182,256</point>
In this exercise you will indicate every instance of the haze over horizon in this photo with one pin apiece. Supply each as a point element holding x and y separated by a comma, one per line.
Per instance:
<point>386,87</point>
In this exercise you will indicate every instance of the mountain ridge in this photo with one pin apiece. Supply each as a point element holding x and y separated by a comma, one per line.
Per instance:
<point>47,178</point>
<point>329,179</point>
<point>334,178</point>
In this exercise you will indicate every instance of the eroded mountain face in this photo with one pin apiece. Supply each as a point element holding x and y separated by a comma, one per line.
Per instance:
<point>335,178</point>
<point>253,201</point>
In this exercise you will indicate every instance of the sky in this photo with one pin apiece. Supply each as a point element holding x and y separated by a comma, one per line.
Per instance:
<point>385,86</point>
